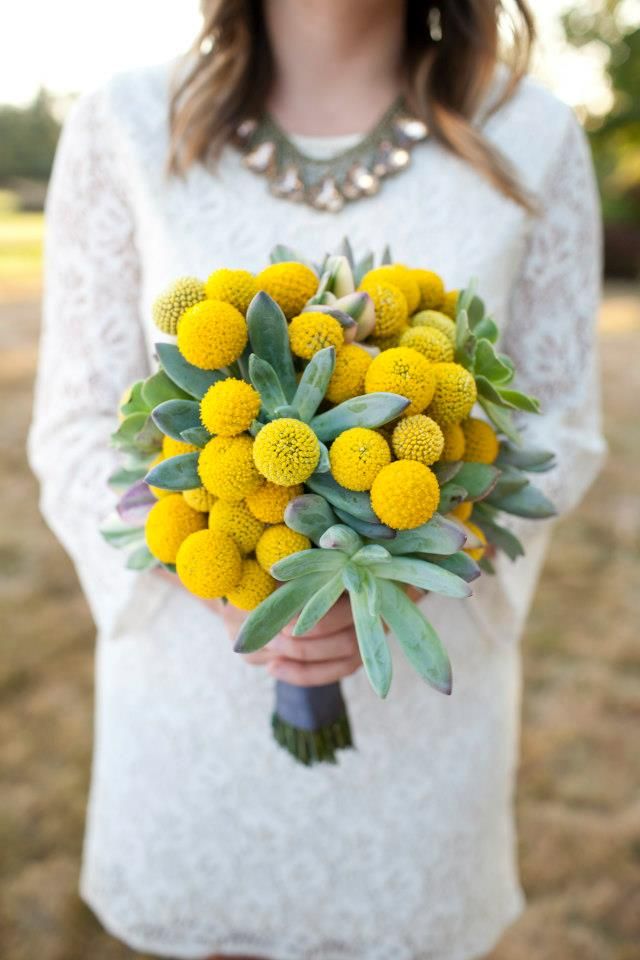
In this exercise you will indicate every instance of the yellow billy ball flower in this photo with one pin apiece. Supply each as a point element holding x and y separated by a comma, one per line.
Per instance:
<point>168,523</point>
<point>237,287</point>
<point>254,586</point>
<point>313,331</point>
<point>390,306</point>
<point>199,499</point>
<point>449,303</point>
<point>357,456</point>
<point>347,380</point>
<point>453,441</point>
<point>286,451</point>
<point>404,371</point>
<point>169,306</point>
<point>237,521</point>
<point>463,511</point>
<point>428,341</point>
<point>400,276</point>
<point>212,334</point>
<point>290,284</point>
<point>405,494</point>
<point>455,393</point>
<point>431,289</point>
<point>158,492</point>
<point>209,564</point>
<point>174,448</point>
<point>418,438</point>
<point>437,320</point>
<point>269,501</point>
<point>278,542</point>
<point>480,441</point>
<point>227,469</point>
<point>476,553</point>
<point>229,407</point>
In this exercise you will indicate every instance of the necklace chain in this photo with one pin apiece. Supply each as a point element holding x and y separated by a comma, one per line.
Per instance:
<point>327,184</point>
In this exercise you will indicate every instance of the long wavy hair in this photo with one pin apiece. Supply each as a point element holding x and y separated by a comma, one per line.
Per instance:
<point>447,80</point>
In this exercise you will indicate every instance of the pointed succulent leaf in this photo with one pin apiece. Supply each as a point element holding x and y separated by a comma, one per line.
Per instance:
<point>360,306</point>
<point>370,410</point>
<point>192,379</point>
<point>199,436</point>
<point>256,427</point>
<point>174,416</point>
<point>486,566</point>
<point>149,438</point>
<point>466,295</point>
<point>372,552</point>
<point>519,400</point>
<point>126,433</point>
<point>528,502</point>
<point>478,479</point>
<point>501,419</point>
<point>486,329</point>
<point>314,382</point>
<point>286,411</point>
<point>476,311</point>
<point>451,495</point>
<point>135,503</point>
<point>121,479</point>
<point>346,322</point>
<point>439,536</point>
<point>446,470</point>
<point>487,390</point>
<point>353,577</point>
<point>319,604</point>
<point>417,638</point>
<point>510,480</point>
<point>309,514</point>
<point>176,473</point>
<point>269,336</point>
<point>531,459</point>
<point>265,380</point>
<point>346,250</point>
<point>488,363</point>
<point>159,387</point>
<point>308,561</point>
<point>270,616</point>
<point>341,537</point>
<point>420,573</point>
<point>141,559</point>
<point>386,259</point>
<point>465,340</point>
<point>500,537</point>
<point>340,276</point>
<point>369,529</point>
<point>119,534</point>
<point>324,464</point>
<point>351,501</point>
<point>372,643</point>
<point>281,253</point>
<point>135,402</point>
<point>371,592</point>
<point>363,266</point>
<point>459,563</point>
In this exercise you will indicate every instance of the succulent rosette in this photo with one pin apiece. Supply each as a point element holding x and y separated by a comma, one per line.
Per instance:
<point>316,430</point>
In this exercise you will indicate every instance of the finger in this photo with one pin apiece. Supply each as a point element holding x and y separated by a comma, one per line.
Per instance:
<point>334,647</point>
<point>337,619</point>
<point>258,657</point>
<point>313,674</point>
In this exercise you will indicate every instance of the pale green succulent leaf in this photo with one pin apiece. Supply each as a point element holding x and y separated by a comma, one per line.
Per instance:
<point>371,552</point>
<point>324,463</point>
<point>531,459</point>
<point>190,378</point>
<point>308,561</point>
<point>488,363</point>
<point>487,391</point>
<point>478,479</point>
<point>265,380</point>
<point>270,616</point>
<point>141,559</point>
<point>341,537</point>
<point>309,514</point>
<point>353,577</point>
<point>476,311</point>
<point>446,470</point>
<point>372,643</point>
<point>371,591</point>
<point>370,410</point>
<point>363,266</point>
<point>501,419</point>
<point>351,501</point>
<point>136,402</point>
<point>499,536</point>
<point>119,534</point>
<point>528,502</point>
<point>159,387</point>
<point>386,259</point>
<point>487,329</point>
<point>282,253</point>
<point>420,573</point>
<point>438,535</point>
<point>319,605</point>
<point>520,401</point>
<point>124,477</point>
<point>510,480</point>
<point>174,416</point>
<point>176,473</point>
<point>372,530</point>
<point>199,436</point>
<point>269,336</point>
<point>128,430</point>
<point>465,340</point>
<point>451,495</point>
<point>459,563</point>
<point>313,385</point>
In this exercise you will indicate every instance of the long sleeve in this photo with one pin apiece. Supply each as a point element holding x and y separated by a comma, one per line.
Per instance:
<point>91,348</point>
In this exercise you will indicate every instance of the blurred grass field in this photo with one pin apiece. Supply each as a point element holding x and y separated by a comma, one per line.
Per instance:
<point>579,783</point>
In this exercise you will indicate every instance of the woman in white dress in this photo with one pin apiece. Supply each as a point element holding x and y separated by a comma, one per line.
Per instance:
<point>203,836</point>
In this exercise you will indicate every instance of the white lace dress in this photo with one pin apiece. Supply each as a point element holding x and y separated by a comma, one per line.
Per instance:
<point>204,836</point>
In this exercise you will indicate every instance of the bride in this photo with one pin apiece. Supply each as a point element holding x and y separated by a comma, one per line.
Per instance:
<point>203,836</point>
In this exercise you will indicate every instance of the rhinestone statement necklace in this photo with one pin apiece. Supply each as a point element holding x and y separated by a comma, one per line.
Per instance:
<point>327,184</point>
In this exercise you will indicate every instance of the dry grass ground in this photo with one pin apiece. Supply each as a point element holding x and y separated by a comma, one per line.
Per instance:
<point>579,786</point>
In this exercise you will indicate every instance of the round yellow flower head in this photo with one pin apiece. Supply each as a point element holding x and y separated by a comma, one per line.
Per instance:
<point>463,511</point>
<point>254,586</point>
<point>269,501</point>
<point>237,287</point>
<point>229,407</point>
<point>227,469</point>
<point>453,441</point>
<point>351,366</point>
<point>386,343</point>
<point>357,456</point>
<point>286,451</point>
<point>418,438</point>
<point>404,371</point>
<point>436,320</point>
<point>455,393</point>
<point>158,492</point>
<point>449,304</point>
<point>390,306</point>
<point>169,306</point>
<point>313,331</point>
<point>405,494</point>
<point>279,542</point>
<point>212,334</point>
<point>290,284</point>
<point>209,564</point>
<point>476,553</point>
<point>199,499</point>
<point>174,448</point>
<point>169,522</point>
<point>400,276</point>
<point>237,521</point>
<point>480,441</point>
<point>431,289</point>
<point>431,343</point>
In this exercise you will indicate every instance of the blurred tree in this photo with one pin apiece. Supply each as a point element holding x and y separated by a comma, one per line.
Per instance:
<point>28,138</point>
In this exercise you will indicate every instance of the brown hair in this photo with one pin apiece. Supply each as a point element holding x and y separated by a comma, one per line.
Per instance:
<point>447,80</point>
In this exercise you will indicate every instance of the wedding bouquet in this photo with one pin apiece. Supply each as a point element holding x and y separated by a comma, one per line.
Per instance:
<point>311,432</point>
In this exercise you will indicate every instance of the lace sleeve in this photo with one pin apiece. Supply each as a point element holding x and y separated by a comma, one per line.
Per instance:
<point>91,348</point>
<point>551,330</point>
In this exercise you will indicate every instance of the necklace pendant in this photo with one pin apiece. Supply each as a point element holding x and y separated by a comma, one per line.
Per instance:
<point>262,158</point>
<point>326,196</point>
<point>288,184</point>
<point>410,129</point>
<point>364,180</point>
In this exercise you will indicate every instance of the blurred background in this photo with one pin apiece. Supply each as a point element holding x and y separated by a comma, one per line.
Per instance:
<point>579,784</point>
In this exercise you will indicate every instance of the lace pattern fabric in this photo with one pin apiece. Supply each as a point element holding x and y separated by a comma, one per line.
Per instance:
<point>202,835</point>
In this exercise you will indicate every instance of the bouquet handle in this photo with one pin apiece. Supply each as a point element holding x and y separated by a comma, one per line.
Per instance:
<point>311,723</point>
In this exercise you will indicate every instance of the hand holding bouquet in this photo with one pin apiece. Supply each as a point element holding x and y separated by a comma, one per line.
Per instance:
<point>311,433</point>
